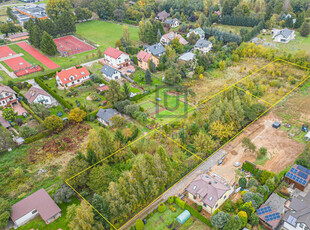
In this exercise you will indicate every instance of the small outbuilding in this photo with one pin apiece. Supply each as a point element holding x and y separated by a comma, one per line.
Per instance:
<point>307,136</point>
<point>183,217</point>
<point>276,125</point>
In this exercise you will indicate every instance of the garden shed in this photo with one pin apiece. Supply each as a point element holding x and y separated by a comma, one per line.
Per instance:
<point>307,136</point>
<point>183,217</point>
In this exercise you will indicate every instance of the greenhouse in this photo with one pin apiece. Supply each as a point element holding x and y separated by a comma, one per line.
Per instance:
<point>183,217</point>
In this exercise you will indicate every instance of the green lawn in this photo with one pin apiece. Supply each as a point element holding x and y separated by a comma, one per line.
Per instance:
<point>232,29</point>
<point>104,33</point>
<point>160,221</point>
<point>60,223</point>
<point>4,76</point>
<point>6,66</point>
<point>84,92</point>
<point>298,44</point>
<point>30,59</point>
<point>55,110</point>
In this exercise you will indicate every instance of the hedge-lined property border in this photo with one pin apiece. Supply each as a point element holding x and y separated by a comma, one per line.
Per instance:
<point>60,99</point>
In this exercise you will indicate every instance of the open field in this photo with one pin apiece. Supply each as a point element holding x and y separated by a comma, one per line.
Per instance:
<point>231,29</point>
<point>298,44</point>
<point>104,33</point>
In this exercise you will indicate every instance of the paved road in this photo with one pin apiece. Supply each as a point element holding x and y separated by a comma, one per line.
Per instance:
<point>178,187</point>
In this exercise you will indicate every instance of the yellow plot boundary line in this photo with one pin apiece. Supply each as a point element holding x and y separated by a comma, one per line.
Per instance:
<point>156,130</point>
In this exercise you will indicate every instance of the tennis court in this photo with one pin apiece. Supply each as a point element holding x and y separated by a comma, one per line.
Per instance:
<point>37,55</point>
<point>6,51</point>
<point>21,67</point>
<point>70,45</point>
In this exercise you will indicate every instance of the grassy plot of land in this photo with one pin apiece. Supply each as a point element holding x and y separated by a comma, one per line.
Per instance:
<point>104,33</point>
<point>6,66</point>
<point>162,220</point>
<point>231,29</point>
<point>83,93</point>
<point>4,76</point>
<point>61,223</point>
<point>298,44</point>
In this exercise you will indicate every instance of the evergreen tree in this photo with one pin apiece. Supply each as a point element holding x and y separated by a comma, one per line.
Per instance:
<point>148,77</point>
<point>102,207</point>
<point>35,36</point>
<point>126,88</point>
<point>152,66</point>
<point>305,29</point>
<point>47,45</point>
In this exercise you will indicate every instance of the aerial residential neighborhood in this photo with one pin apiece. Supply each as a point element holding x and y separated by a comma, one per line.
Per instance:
<point>154,115</point>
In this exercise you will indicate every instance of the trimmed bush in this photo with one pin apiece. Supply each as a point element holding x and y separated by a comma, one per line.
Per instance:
<point>171,199</point>
<point>139,224</point>
<point>180,202</point>
<point>161,207</point>
<point>199,208</point>
<point>172,208</point>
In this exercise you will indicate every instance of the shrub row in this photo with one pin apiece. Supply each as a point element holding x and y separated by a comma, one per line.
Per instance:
<point>29,110</point>
<point>29,140</point>
<point>60,99</point>
<point>141,95</point>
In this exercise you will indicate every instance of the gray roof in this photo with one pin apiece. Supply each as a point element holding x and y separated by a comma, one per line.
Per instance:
<point>210,189</point>
<point>171,21</point>
<point>285,32</point>
<point>187,56</point>
<point>300,211</point>
<point>108,70</point>
<point>156,49</point>
<point>197,30</point>
<point>106,114</point>
<point>36,11</point>
<point>163,15</point>
<point>201,43</point>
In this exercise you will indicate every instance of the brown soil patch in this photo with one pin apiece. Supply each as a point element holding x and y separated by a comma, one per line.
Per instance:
<point>282,151</point>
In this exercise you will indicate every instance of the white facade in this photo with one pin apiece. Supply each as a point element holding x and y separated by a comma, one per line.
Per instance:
<point>26,218</point>
<point>299,226</point>
<point>6,98</point>
<point>43,99</point>
<point>102,121</point>
<point>115,76</point>
<point>204,49</point>
<point>121,61</point>
<point>283,36</point>
<point>73,81</point>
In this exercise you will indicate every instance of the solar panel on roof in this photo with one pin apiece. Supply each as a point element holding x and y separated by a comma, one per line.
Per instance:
<point>263,210</point>
<point>296,178</point>
<point>272,217</point>
<point>302,168</point>
<point>293,170</point>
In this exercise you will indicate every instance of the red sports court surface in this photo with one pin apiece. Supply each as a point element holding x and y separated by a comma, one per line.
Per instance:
<point>70,45</point>
<point>37,55</point>
<point>6,51</point>
<point>21,67</point>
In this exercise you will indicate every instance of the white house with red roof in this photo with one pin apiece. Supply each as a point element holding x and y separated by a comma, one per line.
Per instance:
<point>116,58</point>
<point>72,77</point>
<point>37,204</point>
<point>7,96</point>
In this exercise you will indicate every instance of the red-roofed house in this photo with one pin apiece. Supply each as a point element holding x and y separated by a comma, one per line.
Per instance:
<point>116,57</point>
<point>38,203</point>
<point>144,59</point>
<point>72,77</point>
<point>208,191</point>
<point>7,96</point>
<point>167,38</point>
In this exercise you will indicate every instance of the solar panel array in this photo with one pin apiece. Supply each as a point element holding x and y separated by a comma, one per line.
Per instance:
<point>293,170</point>
<point>263,210</point>
<point>296,178</point>
<point>302,168</point>
<point>302,174</point>
<point>273,216</point>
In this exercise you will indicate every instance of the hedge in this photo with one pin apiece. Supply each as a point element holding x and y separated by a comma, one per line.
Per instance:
<point>196,214</point>
<point>53,94</point>
<point>249,167</point>
<point>141,95</point>
<point>29,140</point>
<point>29,110</point>
<point>179,202</point>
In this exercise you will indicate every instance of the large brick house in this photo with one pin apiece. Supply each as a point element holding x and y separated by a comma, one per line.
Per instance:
<point>7,96</point>
<point>72,77</point>
<point>208,191</point>
<point>144,58</point>
<point>116,57</point>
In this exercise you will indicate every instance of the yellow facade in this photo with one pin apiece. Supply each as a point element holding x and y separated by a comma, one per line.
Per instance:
<point>145,65</point>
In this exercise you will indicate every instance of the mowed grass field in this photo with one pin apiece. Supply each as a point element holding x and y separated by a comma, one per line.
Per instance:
<point>232,29</point>
<point>104,33</point>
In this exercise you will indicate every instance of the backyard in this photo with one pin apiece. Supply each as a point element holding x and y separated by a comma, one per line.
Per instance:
<point>231,29</point>
<point>103,33</point>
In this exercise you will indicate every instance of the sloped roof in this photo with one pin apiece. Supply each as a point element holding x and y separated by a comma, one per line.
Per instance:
<point>170,36</point>
<point>114,53</point>
<point>300,211</point>
<point>171,21</point>
<point>41,201</point>
<point>106,114</point>
<point>144,56</point>
<point>156,49</point>
<point>108,70</point>
<point>198,30</point>
<point>209,189</point>
<point>4,88</point>
<point>64,75</point>
<point>201,43</point>
<point>285,32</point>
<point>18,35</point>
<point>163,15</point>
<point>187,56</point>
<point>34,92</point>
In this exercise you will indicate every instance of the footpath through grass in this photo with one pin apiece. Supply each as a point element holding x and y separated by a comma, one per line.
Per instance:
<point>104,33</point>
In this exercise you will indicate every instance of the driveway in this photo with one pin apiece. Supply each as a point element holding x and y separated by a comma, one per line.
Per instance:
<point>177,188</point>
